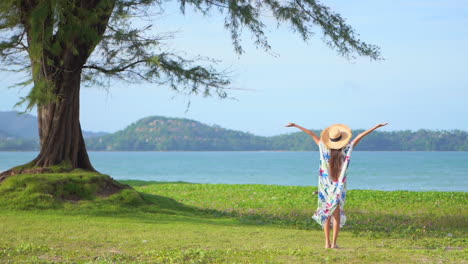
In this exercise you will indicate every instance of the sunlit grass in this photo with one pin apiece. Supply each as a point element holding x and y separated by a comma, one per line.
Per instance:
<point>379,213</point>
<point>207,223</point>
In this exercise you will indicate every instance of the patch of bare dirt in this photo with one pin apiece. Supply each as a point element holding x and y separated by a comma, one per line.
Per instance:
<point>110,187</point>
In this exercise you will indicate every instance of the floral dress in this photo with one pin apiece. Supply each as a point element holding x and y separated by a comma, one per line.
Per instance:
<point>331,193</point>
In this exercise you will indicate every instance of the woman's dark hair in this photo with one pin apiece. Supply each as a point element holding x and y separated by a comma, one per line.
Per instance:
<point>336,161</point>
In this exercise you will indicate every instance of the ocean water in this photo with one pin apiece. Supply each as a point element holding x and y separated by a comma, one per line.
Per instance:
<point>376,170</point>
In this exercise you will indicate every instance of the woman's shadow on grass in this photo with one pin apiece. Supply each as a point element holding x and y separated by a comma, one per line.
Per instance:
<point>147,207</point>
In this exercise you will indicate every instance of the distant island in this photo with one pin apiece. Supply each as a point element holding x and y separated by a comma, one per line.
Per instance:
<point>157,133</point>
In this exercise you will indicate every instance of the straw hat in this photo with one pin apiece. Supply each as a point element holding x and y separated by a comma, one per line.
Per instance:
<point>336,136</point>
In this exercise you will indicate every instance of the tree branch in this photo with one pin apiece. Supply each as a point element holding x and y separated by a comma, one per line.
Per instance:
<point>113,70</point>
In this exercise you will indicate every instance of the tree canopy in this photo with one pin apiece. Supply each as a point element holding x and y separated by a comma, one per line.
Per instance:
<point>64,43</point>
<point>39,36</point>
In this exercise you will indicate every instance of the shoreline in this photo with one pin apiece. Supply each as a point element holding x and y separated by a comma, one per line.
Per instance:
<point>143,182</point>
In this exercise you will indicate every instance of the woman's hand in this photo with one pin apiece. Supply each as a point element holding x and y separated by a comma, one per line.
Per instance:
<point>290,125</point>
<point>381,125</point>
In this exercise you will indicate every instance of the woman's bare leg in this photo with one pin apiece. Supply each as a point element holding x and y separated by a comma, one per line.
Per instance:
<point>336,226</point>
<point>326,229</point>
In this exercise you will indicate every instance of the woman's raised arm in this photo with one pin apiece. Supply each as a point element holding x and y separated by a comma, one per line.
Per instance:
<point>312,134</point>
<point>367,132</point>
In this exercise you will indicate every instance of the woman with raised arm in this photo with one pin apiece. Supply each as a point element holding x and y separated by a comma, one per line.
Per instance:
<point>335,146</point>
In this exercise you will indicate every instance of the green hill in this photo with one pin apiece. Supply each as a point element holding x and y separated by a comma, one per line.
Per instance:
<point>405,140</point>
<point>158,133</point>
<point>161,133</point>
<point>18,144</point>
<point>177,134</point>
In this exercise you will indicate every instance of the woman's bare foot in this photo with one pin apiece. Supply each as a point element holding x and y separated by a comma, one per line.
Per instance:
<point>327,246</point>
<point>335,246</point>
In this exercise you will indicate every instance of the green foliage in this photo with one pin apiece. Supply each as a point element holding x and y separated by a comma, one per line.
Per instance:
<point>301,15</point>
<point>98,39</point>
<point>56,36</point>
<point>164,134</point>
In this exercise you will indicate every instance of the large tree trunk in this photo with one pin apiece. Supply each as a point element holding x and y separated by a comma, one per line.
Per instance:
<point>60,52</point>
<point>60,133</point>
<point>61,138</point>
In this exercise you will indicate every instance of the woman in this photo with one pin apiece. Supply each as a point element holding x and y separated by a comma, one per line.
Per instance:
<point>335,148</point>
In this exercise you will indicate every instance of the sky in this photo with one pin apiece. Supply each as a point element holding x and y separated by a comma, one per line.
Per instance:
<point>422,83</point>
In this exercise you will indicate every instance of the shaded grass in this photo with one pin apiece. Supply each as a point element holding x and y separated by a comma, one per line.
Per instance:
<point>51,190</point>
<point>375,213</point>
<point>145,183</point>
<point>206,223</point>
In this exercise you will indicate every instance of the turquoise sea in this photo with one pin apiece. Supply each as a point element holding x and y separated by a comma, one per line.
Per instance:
<point>377,170</point>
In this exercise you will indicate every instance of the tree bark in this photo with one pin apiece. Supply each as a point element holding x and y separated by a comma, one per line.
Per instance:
<point>61,138</point>
<point>60,134</point>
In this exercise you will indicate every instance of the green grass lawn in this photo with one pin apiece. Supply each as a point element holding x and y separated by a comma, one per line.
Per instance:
<point>217,223</point>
